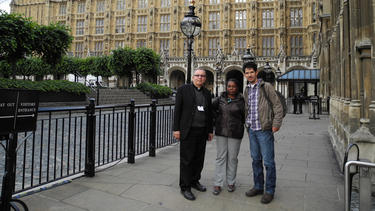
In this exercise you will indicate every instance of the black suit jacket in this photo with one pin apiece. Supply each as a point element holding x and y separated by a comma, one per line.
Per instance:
<point>184,110</point>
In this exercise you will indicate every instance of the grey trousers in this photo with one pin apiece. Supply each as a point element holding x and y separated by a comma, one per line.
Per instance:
<point>226,160</point>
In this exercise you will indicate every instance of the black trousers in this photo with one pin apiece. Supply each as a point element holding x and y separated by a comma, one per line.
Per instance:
<point>192,150</point>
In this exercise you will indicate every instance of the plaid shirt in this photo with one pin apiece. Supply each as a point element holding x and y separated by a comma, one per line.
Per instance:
<point>252,118</point>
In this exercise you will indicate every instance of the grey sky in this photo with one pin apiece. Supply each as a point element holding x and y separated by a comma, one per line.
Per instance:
<point>5,5</point>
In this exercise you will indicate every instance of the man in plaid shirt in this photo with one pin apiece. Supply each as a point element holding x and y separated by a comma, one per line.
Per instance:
<point>264,114</point>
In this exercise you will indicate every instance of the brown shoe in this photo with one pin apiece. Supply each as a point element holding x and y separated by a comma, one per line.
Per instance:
<point>217,190</point>
<point>253,192</point>
<point>267,198</point>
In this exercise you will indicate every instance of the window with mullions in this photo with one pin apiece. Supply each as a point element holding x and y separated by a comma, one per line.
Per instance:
<point>214,20</point>
<point>98,50</point>
<point>187,2</point>
<point>62,10</point>
<point>141,43</point>
<point>240,45</point>
<point>80,27</point>
<point>267,18</point>
<point>165,23</point>
<point>81,7</point>
<point>100,6</point>
<point>296,45</point>
<point>142,3</point>
<point>240,19</point>
<point>214,1</point>
<point>268,46</point>
<point>119,44</point>
<point>296,17</point>
<point>164,45</point>
<point>120,25</point>
<point>79,50</point>
<point>99,26</point>
<point>239,1</point>
<point>142,23</point>
<point>121,4</point>
<point>165,3</point>
<point>213,44</point>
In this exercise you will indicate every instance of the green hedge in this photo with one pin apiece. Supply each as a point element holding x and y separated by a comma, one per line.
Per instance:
<point>155,90</point>
<point>45,86</point>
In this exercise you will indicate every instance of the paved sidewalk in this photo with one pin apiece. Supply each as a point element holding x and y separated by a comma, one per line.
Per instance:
<point>308,178</point>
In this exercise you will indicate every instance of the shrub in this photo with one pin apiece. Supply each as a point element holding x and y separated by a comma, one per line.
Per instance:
<point>45,86</point>
<point>155,90</point>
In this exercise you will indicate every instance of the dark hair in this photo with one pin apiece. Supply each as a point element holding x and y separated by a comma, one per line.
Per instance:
<point>250,65</point>
<point>234,81</point>
<point>267,76</point>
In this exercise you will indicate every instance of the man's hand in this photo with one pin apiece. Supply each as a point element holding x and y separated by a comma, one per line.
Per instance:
<point>275,129</point>
<point>210,136</point>
<point>176,135</point>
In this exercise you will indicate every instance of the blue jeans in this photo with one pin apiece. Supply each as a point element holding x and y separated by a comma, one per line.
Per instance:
<point>262,149</point>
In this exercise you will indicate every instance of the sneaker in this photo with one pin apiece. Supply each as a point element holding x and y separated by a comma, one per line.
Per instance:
<point>253,192</point>
<point>217,190</point>
<point>267,198</point>
<point>231,188</point>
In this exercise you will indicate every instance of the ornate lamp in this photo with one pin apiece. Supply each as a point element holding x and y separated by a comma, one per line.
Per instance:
<point>191,27</point>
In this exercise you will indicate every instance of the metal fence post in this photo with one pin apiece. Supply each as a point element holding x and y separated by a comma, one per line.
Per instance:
<point>131,144</point>
<point>90,139</point>
<point>152,129</point>
<point>10,172</point>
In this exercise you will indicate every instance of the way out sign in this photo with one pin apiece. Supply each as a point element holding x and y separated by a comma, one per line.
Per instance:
<point>18,110</point>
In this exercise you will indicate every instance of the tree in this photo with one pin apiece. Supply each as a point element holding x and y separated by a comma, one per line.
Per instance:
<point>122,62</point>
<point>20,37</point>
<point>16,38</point>
<point>33,66</point>
<point>147,62</point>
<point>69,65</point>
<point>51,44</point>
<point>5,69</point>
<point>86,65</point>
<point>102,68</point>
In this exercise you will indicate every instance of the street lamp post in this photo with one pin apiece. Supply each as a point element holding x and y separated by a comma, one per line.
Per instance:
<point>218,69</point>
<point>191,27</point>
<point>248,56</point>
<point>270,76</point>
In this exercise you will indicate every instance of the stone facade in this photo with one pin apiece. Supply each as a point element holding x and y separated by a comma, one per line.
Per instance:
<point>347,61</point>
<point>285,32</point>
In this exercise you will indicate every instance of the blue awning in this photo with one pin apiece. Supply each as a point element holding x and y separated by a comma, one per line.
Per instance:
<point>301,75</point>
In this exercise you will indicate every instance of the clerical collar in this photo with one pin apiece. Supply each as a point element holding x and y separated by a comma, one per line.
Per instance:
<point>199,89</point>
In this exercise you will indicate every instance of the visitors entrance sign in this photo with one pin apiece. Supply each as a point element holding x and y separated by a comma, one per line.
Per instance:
<point>18,110</point>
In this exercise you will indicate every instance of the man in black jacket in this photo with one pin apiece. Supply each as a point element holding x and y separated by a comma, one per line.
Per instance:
<point>192,126</point>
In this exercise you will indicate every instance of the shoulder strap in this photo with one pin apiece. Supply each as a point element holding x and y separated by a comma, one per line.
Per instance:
<point>266,96</point>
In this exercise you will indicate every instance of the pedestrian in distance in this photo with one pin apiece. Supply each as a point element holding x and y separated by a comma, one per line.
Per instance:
<point>263,119</point>
<point>229,115</point>
<point>193,127</point>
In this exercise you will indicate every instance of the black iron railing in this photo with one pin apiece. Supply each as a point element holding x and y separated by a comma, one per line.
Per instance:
<point>73,140</point>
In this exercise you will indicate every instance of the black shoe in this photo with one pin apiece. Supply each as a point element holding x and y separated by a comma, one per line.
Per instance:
<point>267,198</point>
<point>188,195</point>
<point>253,192</point>
<point>199,187</point>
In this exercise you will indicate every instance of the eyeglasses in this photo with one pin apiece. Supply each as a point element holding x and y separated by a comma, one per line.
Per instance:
<point>202,76</point>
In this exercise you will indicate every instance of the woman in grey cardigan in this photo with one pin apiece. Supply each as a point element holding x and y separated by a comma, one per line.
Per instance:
<point>229,113</point>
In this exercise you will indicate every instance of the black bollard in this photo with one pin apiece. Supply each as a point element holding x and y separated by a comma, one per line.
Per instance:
<point>152,129</point>
<point>131,140</point>
<point>90,139</point>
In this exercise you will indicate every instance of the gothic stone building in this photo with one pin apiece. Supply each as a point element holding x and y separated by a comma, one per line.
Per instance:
<point>283,32</point>
<point>347,61</point>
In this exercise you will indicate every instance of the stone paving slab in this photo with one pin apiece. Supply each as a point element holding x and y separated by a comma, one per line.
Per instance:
<point>308,178</point>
